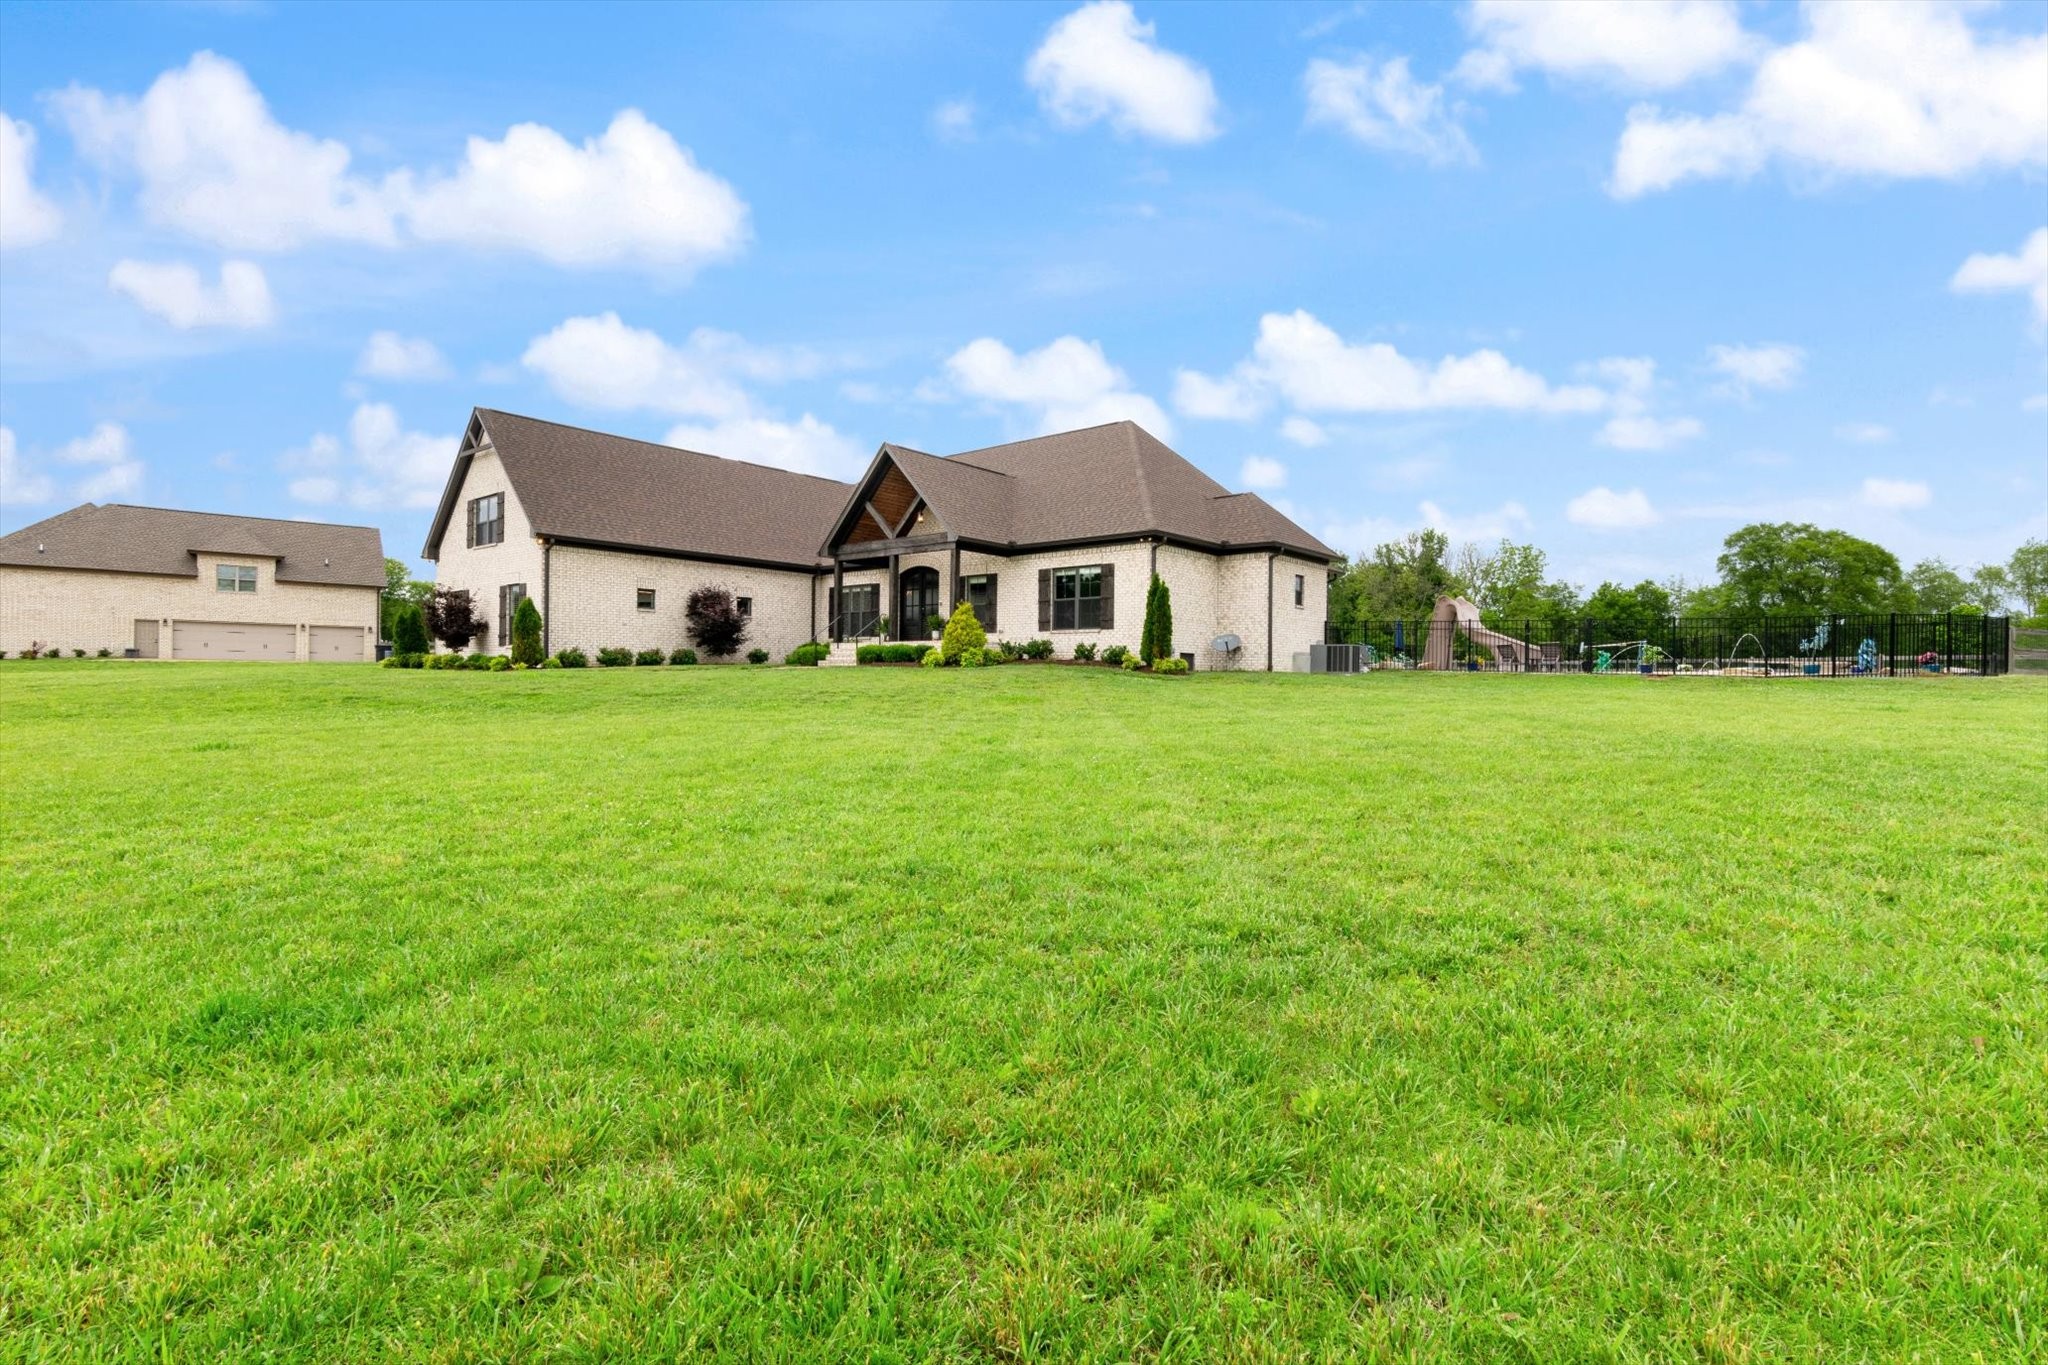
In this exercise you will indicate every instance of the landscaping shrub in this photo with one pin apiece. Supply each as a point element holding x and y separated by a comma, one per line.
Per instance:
<point>713,622</point>
<point>1172,663</point>
<point>683,655</point>
<point>757,655</point>
<point>1115,654</point>
<point>973,657</point>
<point>1010,649</point>
<point>572,658</point>
<point>647,657</point>
<point>962,633</point>
<point>500,664</point>
<point>106,653</point>
<point>78,654</point>
<point>1038,649</point>
<point>1085,652</point>
<point>1131,663</point>
<point>891,654</point>
<point>550,663</point>
<point>932,659</point>
<point>409,631</point>
<point>526,633</point>
<point>452,617</point>
<point>811,654</point>
<point>614,657</point>
<point>1155,641</point>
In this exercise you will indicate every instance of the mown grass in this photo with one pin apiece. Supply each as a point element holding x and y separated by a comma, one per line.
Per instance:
<point>1030,1014</point>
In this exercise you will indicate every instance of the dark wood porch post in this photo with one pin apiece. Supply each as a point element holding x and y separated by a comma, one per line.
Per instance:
<point>894,608</point>
<point>838,597</point>
<point>953,588</point>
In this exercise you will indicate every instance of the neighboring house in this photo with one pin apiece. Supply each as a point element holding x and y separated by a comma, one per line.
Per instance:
<point>191,585</point>
<point>1055,537</point>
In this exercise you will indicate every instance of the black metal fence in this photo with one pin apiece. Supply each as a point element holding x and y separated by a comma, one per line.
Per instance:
<point>1840,645</point>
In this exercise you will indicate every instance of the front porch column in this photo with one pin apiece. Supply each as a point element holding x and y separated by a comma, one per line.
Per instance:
<point>837,632</point>
<point>893,607</point>
<point>953,587</point>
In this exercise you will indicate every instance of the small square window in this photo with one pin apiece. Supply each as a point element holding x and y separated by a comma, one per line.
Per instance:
<point>643,598</point>
<point>234,578</point>
<point>1300,590</point>
<point>746,606</point>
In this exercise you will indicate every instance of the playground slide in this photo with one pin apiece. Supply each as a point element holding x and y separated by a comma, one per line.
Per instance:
<point>1453,614</point>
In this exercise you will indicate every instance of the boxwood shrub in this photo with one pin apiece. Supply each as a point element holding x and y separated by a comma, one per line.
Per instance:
<point>811,654</point>
<point>683,655</point>
<point>757,655</point>
<point>614,657</point>
<point>1038,649</point>
<point>648,656</point>
<point>891,654</point>
<point>1114,655</point>
<point>573,658</point>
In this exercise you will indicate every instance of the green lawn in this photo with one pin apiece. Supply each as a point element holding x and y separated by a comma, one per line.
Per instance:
<point>1028,1014</point>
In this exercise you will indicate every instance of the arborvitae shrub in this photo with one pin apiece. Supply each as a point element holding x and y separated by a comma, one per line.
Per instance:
<point>526,633</point>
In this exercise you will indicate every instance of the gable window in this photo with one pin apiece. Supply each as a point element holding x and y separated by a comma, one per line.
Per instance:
<point>509,598</point>
<point>643,598</point>
<point>746,606</point>
<point>1300,590</point>
<point>1077,598</point>
<point>487,520</point>
<point>234,578</point>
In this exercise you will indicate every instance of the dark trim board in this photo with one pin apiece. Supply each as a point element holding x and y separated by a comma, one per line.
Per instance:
<point>738,561</point>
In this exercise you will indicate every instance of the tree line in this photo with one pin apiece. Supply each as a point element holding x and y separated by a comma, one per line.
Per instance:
<point>1767,568</point>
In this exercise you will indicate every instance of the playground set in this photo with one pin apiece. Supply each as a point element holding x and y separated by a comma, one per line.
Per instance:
<point>1839,645</point>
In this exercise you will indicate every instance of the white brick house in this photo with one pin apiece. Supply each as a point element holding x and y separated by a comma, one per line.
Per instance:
<point>172,584</point>
<point>1055,538</point>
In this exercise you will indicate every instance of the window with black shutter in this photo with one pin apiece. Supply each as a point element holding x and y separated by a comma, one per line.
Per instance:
<point>979,590</point>
<point>487,520</point>
<point>1077,598</point>
<point>509,598</point>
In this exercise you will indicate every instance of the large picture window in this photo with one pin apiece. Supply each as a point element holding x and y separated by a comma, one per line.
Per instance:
<point>487,519</point>
<point>1077,598</point>
<point>234,578</point>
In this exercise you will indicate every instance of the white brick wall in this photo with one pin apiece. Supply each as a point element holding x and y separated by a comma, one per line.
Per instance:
<point>84,609</point>
<point>593,594</point>
<point>484,569</point>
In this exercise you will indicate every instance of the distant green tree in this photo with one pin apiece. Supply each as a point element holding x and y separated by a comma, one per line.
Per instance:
<point>1990,588</point>
<point>526,634</point>
<point>2027,571</point>
<point>1400,580</point>
<point>409,630</point>
<point>1619,613</point>
<point>1799,567</point>
<point>1155,640</point>
<point>1933,585</point>
<point>400,587</point>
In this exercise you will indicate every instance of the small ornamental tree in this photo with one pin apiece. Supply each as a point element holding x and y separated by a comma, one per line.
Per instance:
<point>963,632</point>
<point>452,617</point>
<point>1155,641</point>
<point>409,630</point>
<point>526,634</point>
<point>713,622</point>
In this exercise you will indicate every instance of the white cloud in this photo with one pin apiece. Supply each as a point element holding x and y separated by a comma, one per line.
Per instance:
<point>1642,44</point>
<point>2036,403</point>
<point>1100,63</point>
<point>1642,431</point>
<point>1896,495</point>
<point>1302,360</point>
<point>1224,399</point>
<point>387,355</point>
<point>211,160</point>
<point>1864,433</point>
<point>1888,90</point>
<point>178,294</point>
<point>806,445</point>
<point>2027,270</point>
<point>1067,384</point>
<point>1772,365</point>
<point>1603,509</point>
<point>1381,105</point>
<point>26,215</point>
<point>382,466</point>
<point>953,121</point>
<point>600,362</point>
<point>1263,473</point>
<point>1304,433</point>
<point>631,195</point>
<point>116,474</point>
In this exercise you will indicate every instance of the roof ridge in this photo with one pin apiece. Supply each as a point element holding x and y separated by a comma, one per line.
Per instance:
<point>663,445</point>
<point>1138,473</point>
<point>1027,440</point>
<point>238,516</point>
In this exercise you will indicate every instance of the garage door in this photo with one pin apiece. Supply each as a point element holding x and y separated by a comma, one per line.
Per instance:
<point>233,640</point>
<point>335,644</point>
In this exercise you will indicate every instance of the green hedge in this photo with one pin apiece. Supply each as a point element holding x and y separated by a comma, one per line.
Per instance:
<point>891,654</point>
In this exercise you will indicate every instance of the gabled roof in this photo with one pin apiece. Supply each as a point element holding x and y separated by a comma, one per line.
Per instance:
<point>586,486</point>
<point>160,540</point>
<point>1102,483</point>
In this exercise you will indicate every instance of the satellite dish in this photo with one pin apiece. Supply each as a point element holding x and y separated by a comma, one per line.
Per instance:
<point>1226,644</point>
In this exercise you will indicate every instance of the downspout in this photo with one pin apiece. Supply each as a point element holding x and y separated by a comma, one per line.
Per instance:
<point>547,606</point>
<point>1271,555</point>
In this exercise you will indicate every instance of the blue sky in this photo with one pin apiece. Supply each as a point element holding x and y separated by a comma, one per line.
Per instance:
<point>1612,279</point>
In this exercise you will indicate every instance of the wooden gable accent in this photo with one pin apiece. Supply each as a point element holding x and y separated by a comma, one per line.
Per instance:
<point>893,496</point>
<point>866,530</point>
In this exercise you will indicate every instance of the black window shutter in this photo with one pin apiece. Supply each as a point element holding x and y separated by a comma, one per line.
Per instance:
<point>990,624</point>
<point>1045,599</point>
<point>471,520</point>
<point>1109,596</point>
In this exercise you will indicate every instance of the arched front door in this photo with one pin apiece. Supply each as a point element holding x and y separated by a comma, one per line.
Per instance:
<point>919,593</point>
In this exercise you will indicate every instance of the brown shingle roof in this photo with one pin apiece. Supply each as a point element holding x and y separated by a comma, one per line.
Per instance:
<point>162,540</point>
<point>611,490</point>
<point>1099,483</point>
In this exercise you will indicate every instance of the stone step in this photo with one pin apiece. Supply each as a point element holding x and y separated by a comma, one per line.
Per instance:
<point>844,654</point>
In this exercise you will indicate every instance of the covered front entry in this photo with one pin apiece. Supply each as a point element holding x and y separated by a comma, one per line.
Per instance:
<point>918,600</point>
